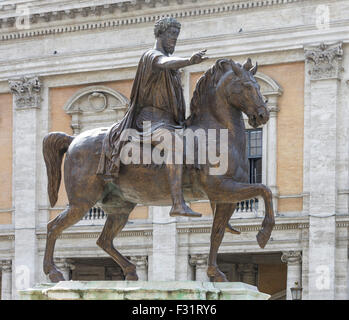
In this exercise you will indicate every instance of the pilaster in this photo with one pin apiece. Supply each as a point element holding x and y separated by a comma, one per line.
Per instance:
<point>26,101</point>
<point>323,75</point>
<point>163,260</point>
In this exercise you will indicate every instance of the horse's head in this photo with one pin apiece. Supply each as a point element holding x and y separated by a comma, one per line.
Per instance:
<point>242,91</point>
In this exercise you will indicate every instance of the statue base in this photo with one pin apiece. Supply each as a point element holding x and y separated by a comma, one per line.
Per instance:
<point>143,290</point>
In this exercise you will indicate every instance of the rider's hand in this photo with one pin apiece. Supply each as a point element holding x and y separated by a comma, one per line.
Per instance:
<point>198,57</point>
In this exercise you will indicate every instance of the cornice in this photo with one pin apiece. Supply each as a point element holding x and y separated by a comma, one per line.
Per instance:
<point>113,14</point>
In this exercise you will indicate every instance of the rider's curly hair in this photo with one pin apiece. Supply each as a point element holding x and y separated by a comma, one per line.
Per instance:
<point>163,24</point>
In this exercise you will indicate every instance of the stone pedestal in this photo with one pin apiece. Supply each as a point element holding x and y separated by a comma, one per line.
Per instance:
<point>143,290</point>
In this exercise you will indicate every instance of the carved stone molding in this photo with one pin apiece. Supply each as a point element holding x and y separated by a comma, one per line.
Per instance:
<point>95,106</point>
<point>247,228</point>
<point>94,235</point>
<point>66,11</point>
<point>26,91</point>
<point>7,237</point>
<point>325,61</point>
<point>6,265</point>
<point>292,257</point>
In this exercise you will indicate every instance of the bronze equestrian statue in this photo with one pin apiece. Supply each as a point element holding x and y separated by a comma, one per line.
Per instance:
<point>93,172</point>
<point>156,96</point>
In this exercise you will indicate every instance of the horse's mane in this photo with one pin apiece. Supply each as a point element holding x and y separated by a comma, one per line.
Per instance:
<point>209,79</point>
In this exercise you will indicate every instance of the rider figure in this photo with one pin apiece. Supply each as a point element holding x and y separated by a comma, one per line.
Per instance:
<point>156,96</point>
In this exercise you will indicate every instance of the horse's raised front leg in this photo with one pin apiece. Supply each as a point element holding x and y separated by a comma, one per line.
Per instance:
<point>226,190</point>
<point>221,215</point>
<point>116,220</point>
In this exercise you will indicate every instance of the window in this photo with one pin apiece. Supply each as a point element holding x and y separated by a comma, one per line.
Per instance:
<point>254,146</point>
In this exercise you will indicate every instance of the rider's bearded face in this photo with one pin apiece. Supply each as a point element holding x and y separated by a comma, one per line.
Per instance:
<point>169,39</point>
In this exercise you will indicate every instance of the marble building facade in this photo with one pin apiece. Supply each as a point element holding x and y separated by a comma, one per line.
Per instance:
<point>69,65</point>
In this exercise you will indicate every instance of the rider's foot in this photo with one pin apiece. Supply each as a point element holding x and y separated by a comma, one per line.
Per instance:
<point>232,230</point>
<point>184,211</point>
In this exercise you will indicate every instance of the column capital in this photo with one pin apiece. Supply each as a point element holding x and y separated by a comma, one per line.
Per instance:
<point>324,61</point>
<point>291,257</point>
<point>6,265</point>
<point>141,262</point>
<point>27,92</point>
<point>273,111</point>
<point>198,260</point>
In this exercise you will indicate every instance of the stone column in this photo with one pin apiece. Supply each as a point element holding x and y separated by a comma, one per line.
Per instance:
<point>294,270</point>
<point>65,265</point>
<point>6,279</point>
<point>248,273</point>
<point>323,76</point>
<point>199,261</point>
<point>141,263</point>
<point>27,152</point>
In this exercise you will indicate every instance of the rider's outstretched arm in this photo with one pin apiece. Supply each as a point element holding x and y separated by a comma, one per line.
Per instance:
<point>175,63</point>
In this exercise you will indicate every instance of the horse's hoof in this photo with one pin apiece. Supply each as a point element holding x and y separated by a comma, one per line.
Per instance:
<point>56,276</point>
<point>132,276</point>
<point>216,275</point>
<point>262,239</point>
<point>219,278</point>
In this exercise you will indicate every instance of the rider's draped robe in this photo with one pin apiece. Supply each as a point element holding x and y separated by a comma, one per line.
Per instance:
<point>156,96</point>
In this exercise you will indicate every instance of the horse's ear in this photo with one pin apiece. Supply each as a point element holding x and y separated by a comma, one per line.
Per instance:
<point>254,69</point>
<point>236,68</point>
<point>247,65</point>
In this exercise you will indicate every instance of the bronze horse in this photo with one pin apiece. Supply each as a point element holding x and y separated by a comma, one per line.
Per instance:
<point>221,95</point>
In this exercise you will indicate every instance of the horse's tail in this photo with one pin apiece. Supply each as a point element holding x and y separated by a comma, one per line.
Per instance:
<point>54,146</point>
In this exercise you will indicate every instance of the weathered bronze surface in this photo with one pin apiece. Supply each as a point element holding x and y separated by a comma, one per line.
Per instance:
<point>93,172</point>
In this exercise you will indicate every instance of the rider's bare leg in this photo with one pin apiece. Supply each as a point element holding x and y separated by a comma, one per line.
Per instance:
<point>179,207</point>
<point>174,171</point>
